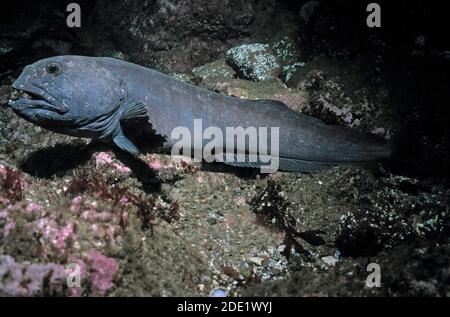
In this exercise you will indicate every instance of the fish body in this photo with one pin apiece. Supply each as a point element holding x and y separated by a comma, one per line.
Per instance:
<point>93,96</point>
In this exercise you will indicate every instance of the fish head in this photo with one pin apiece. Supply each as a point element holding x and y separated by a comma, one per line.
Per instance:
<point>67,91</point>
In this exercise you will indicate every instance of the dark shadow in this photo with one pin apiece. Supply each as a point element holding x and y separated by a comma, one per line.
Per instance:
<point>56,160</point>
<point>144,137</point>
<point>241,172</point>
<point>143,173</point>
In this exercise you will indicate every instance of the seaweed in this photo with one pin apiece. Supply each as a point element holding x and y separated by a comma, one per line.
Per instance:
<point>173,213</point>
<point>271,204</point>
<point>12,183</point>
<point>148,208</point>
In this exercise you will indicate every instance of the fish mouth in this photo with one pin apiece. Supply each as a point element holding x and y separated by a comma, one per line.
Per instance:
<point>36,97</point>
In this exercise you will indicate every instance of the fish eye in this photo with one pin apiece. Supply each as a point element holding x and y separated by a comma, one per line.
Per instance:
<point>53,68</point>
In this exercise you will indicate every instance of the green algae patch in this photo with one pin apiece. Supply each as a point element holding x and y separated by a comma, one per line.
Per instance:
<point>160,264</point>
<point>214,71</point>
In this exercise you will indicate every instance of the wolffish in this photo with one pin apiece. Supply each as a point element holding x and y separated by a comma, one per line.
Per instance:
<point>94,96</point>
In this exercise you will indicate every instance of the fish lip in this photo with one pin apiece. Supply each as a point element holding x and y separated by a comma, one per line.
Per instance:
<point>46,101</point>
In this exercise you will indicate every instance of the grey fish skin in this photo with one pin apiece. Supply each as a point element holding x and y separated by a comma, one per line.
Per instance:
<point>90,97</point>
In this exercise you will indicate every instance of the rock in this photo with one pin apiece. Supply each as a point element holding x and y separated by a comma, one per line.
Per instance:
<point>254,61</point>
<point>288,55</point>
<point>219,76</point>
<point>216,71</point>
<point>6,93</point>
<point>258,62</point>
<point>342,95</point>
<point>183,77</point>
<point>4,48</point>
<point>286,50</point>
<point>177,36</point>
<point>396,211</point>
<point>330,260</point>
<point>219,292</point>
<point>307,10</point>
<point>273,89</point>
<point>256,260</point>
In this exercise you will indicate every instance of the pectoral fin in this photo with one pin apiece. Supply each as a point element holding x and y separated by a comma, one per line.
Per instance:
<point>125,144</point>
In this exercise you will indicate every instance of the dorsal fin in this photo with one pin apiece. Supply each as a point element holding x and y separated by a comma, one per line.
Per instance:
<point>274,103</point>
<point>283,107</point>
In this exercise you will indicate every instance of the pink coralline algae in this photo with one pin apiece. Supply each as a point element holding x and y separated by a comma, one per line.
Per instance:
<point>9,223</point>
<point>105,159</point>
<point>61,236</point>
<point>103,223</point>
<point>33,208</point>
<point>51,233</point>
<point>2,171</point>
<point>121,168</point>
<point>103,272</point>
<point>97,273</point>
<point>8,214</point>
<point>79,268</point>
<point>9,226</point>
<point>18,279</point>
<point>155,165</point>
<point>76,204</point>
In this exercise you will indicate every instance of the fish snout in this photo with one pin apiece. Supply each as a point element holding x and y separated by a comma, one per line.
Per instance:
<point>35,97</point>
<point>19,83</point>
